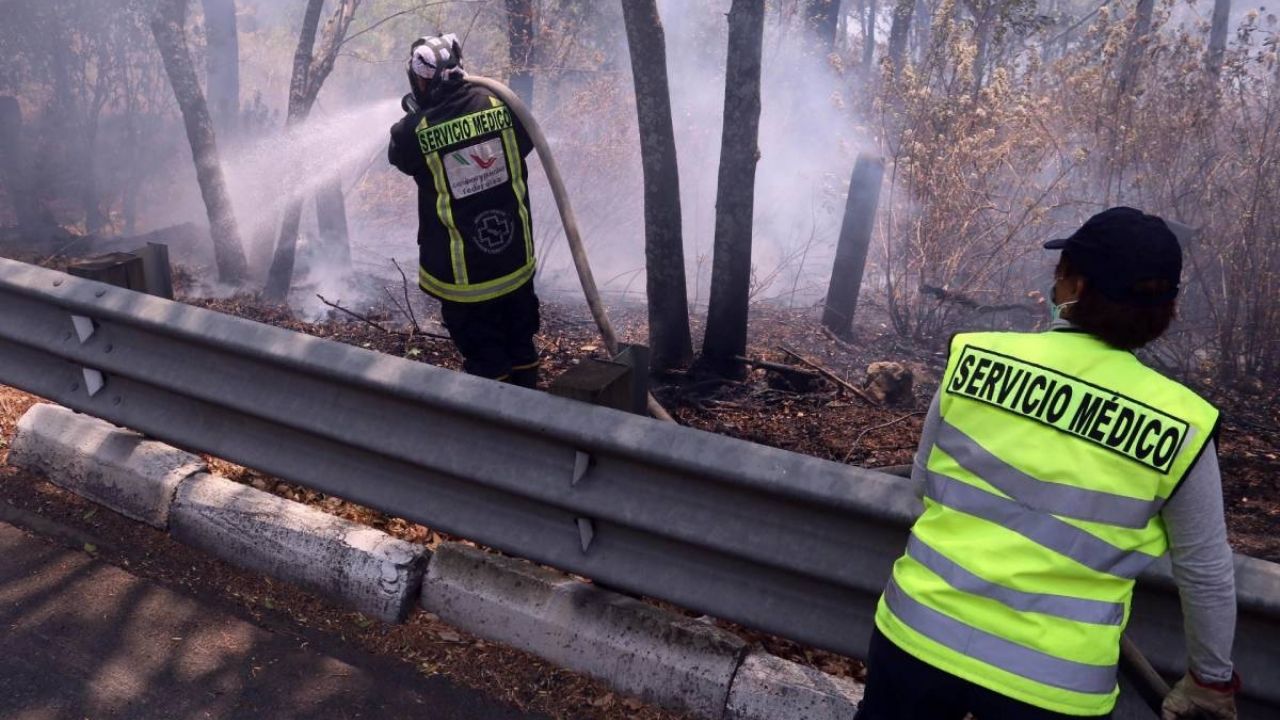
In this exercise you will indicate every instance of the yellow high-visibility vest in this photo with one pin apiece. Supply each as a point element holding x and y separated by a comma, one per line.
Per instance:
<point>1053,460</point>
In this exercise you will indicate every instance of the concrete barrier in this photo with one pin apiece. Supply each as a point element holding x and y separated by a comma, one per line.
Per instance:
<point>353,564</point>
<point>638,649</point>
<point>117,468</point>
<point>767,687</point>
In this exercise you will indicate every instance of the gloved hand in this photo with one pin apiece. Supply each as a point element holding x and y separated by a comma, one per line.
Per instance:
<point>1192,700</point>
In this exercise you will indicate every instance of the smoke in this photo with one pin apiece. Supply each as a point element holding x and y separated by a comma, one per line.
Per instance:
<point>807,146</point>
<point>265,176</point>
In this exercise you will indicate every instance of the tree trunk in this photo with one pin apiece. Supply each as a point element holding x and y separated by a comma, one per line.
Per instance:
<point>824,21</point>
<point>222,66</point>
<point>1218,37</point>
<point>726,336</point>
<point>855,240</point>
<point>331,219</point>
<point>310,69</point>
<point>13,170</point>
<point>869,38</point>
<point>900,31</point>
<point>984,16</point>
<point>1137,42</point>
<point>280,277</point>
<point>669,337</point>
<point>924,30</point>
<point>520,47</point>
<point>168,28</point>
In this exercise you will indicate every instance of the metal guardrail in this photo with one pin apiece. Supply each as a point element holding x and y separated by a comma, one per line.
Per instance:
<point>789,544</point>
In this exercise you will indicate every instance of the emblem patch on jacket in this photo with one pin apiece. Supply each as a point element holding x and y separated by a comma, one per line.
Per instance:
<point>494,231</point>
<point>476,168</point>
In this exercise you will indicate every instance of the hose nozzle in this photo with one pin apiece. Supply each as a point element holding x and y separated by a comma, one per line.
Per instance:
<point>409,104</point>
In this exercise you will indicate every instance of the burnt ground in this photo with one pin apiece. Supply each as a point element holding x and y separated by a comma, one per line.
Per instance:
<point>820,419</point>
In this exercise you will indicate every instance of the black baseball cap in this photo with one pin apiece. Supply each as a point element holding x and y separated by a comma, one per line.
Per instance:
<point>1118,249</point>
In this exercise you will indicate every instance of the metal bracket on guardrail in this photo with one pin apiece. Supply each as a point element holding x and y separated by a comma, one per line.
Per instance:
<point>581,463</point>
<point>94,380</point>
<point>586,533</point>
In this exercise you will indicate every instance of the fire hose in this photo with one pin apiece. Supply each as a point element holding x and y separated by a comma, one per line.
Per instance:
<point>577,249</point>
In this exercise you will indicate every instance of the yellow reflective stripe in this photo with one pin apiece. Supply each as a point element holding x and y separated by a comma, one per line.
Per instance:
<point>444,208</point>
<point>480,291</point>
<point>512,147</point>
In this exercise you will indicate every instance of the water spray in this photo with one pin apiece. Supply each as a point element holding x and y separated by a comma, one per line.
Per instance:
<point>567,217</point>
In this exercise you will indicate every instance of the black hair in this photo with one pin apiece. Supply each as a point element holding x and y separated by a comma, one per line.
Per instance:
<point>1120,325</point>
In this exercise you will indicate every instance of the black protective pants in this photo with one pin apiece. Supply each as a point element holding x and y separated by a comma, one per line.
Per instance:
<point>495,337</point>
<point>900,687</point>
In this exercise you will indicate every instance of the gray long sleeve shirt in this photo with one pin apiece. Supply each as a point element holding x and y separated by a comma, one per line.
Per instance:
<point>1201,557</point>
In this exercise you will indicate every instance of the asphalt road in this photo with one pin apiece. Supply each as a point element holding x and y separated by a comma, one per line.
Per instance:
<point>83,639</point>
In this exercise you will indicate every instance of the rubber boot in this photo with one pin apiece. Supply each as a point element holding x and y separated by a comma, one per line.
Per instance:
<point>525,377</point>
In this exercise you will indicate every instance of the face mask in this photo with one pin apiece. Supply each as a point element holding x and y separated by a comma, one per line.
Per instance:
<point>1055,310</point>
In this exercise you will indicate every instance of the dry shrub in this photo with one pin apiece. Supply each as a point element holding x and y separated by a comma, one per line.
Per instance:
<point>979,179</point>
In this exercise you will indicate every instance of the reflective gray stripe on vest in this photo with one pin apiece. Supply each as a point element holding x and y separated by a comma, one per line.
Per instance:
<point>1040,527</point>
<point>1064,500</point>
<point>1004,654</point>
<point>1082,610</point>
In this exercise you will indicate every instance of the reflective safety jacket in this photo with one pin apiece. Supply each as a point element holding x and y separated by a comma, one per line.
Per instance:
<point>1054,457</point>
<point>466,152</point>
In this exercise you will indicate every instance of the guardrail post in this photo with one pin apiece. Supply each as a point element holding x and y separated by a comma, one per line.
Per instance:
<point>120,269</point>
<point>637,358</point>
<point>598,382</point>
<point>145,270</point>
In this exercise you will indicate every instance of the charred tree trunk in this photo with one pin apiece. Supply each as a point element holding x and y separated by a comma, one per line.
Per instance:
<point>824,21</point>
<point>726,336</point>
<point>310,70</point>
<point>900,31</point>
<point>331,221</point>
<point>1218,37</point>
<point>669,337</point>
<point>168,28</point>
<point>520,47</point>
<point>855,240</point>
<point>222,66</point>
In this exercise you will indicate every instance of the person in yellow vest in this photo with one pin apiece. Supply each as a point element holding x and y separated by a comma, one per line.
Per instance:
<point>1056,468</point>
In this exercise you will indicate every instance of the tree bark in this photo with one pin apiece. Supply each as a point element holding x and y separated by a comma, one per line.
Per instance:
<point>668,297</point>
<point>1218,37</point>
<point>726,336</point>
<point>900,31</point>
<point>520,47</point>
<point>168,27</point>
<point>310,70</point>
<point>222,66</point>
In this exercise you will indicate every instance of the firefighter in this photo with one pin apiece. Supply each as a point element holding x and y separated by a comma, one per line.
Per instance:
<point>466,151</point>
<point>1056,468</point>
